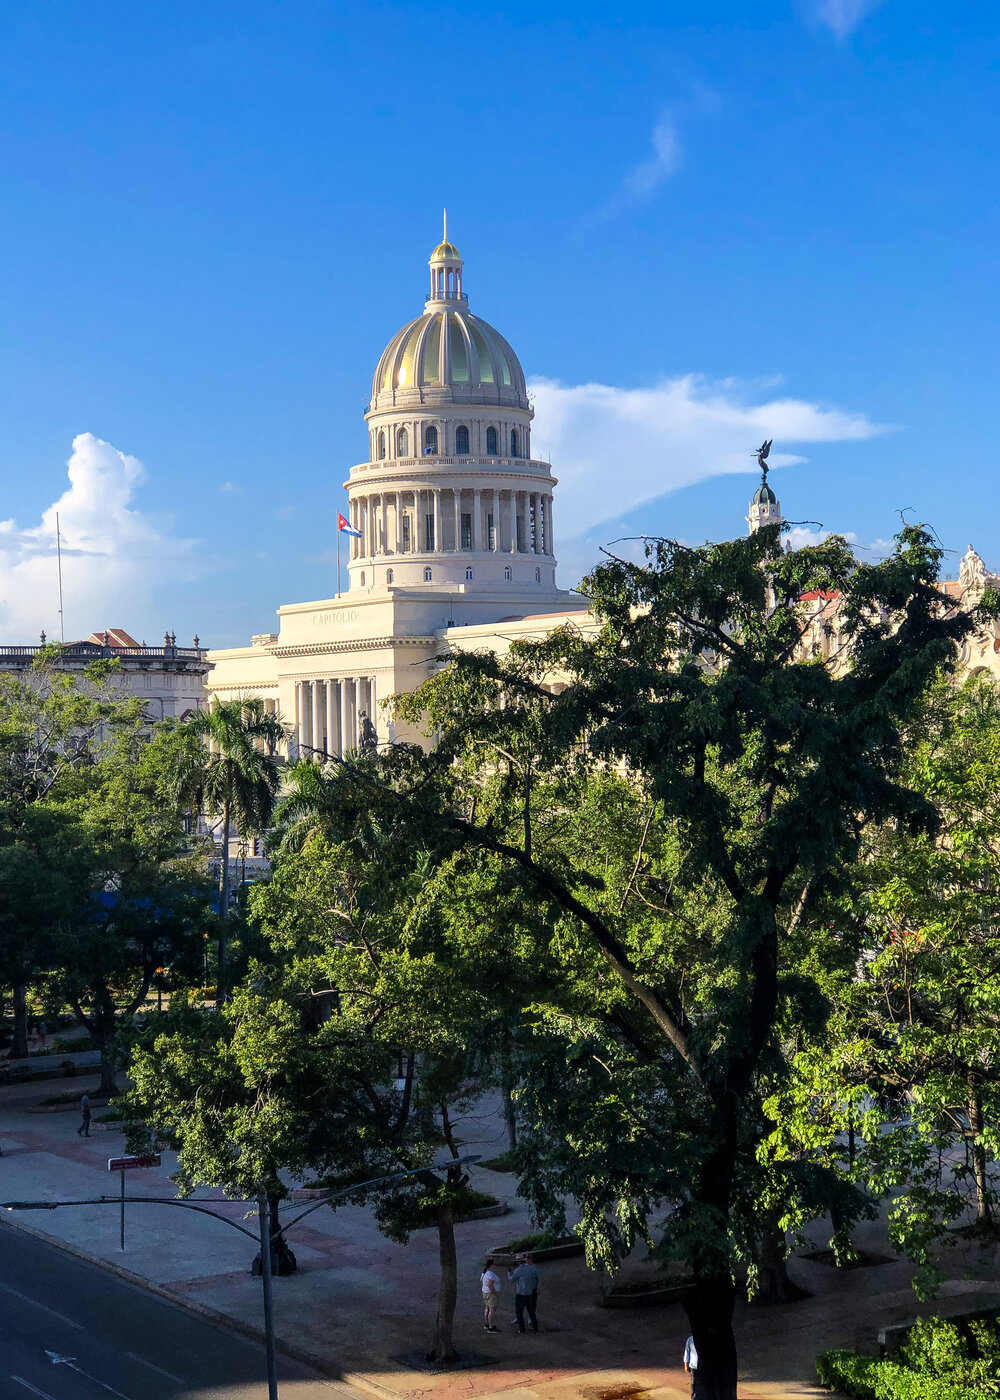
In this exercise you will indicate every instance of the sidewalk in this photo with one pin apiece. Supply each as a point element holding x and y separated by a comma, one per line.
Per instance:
<point>363,1308</point>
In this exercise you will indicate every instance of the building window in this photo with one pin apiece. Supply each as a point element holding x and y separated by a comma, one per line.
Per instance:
<point>520,534</point>
<point>431,441</point>
<point>427,576</point>
<point>491,442</point>
<point>513,442</point>
<point>538,575</point>
<point>381,447</point>
<point>402,443</point>
<point>491,539</point>
<point>466,531</point>
<point>362,578</point>
<point>429,530</point>
<point>388,576</point>
<point>405,534</point>
<point>506,573</point>
<point>462,441</point>
<point>468,575</point>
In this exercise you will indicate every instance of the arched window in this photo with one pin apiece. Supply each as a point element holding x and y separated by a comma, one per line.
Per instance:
<point>461,441</point>
<point>402,443</point>
<point>388,576</point>
<point>362,578</point>
<point>431,440</point>
<point>513,442</point>
<point>506,574</point>
<point>427,576</point>
<point>538,575</point>
<point>381,447</point>
<point>491,442</point>
<point>468,575</point>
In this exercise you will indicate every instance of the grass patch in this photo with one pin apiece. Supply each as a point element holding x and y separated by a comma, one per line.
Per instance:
<point>503,1162</point>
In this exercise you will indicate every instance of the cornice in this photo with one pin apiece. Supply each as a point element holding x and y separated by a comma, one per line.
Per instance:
<point>361,644</point>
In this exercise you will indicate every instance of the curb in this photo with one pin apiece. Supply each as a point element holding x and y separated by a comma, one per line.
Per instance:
<point>219,1319</point>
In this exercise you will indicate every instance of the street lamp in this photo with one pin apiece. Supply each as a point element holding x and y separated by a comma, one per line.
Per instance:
<point>264,1223</point>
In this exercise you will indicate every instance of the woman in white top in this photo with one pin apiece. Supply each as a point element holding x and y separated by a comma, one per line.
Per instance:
<point>491,1292</point>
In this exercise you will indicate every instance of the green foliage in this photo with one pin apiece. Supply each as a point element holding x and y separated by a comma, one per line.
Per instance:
<point>936,1363</point>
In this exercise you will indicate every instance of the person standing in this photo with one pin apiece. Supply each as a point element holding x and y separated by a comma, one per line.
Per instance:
<point>491,1292</point>
<point>84,1129</point>
<point>691,1365</point>
<point>525,1279</point>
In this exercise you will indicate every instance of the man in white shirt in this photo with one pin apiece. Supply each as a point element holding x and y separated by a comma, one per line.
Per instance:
<point>691,1365</point>
<point>491,1292</point>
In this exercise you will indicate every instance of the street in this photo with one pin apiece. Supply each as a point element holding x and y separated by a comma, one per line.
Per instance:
<point>71,1331</point>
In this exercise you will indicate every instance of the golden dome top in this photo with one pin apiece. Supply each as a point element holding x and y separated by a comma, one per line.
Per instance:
<point>446,252</point>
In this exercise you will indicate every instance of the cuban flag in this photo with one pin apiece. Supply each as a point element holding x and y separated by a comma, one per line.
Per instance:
<point>347,527</point>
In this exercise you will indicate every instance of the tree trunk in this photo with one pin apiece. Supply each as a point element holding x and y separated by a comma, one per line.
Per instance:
<point>772,1266</point>
<point>506,1087</point>
<point>222,989</point>
<point>283,1261</point>
<point>443,1349</point>
<point>984,1207</point>
<point>19,1048</point>
<point>106,1029</point>
<point>709,1306</point>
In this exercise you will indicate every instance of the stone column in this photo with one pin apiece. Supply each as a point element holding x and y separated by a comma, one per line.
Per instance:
<point>317,716</point>
<point>495,510</point>
<point>332,746</point>
<point>385,523</point>
<point>457,502</point>
<point>437,521</point>
<point>306,716</point>
<point>347,739</point>
<point>477,521</point>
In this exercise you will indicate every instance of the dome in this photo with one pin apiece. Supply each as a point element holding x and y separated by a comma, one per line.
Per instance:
<point>446,252</point>
<point>763,496</point>
<point>453,352</point>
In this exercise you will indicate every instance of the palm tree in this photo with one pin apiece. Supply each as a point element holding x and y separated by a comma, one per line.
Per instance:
<point>236,777</point>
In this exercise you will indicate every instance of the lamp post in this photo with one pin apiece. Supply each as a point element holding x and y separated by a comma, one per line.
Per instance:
<point>264,1230</point>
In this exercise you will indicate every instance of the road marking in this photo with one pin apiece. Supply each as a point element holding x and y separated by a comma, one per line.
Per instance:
<point>70,1363</point>
<point>44,1307</point>
<point>33,1388</point>
<point>178,1380</point>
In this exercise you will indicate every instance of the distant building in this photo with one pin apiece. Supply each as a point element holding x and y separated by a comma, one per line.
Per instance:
<point>168,678</point>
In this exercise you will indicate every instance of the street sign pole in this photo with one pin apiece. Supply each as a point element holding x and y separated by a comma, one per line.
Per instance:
<point>264,1214</point>
<point>122,1165</point>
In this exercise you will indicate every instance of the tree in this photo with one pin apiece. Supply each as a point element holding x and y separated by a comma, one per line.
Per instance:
<point>929,997</point>
<point>236,777</point>
<point>754,770</point>
<point>52,724</point>
<point>134,894</point>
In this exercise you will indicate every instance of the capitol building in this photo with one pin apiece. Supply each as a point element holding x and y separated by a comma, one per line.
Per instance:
<point>455,547</point>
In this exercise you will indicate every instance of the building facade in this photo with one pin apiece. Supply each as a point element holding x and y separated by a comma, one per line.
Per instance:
<point>169,679</point>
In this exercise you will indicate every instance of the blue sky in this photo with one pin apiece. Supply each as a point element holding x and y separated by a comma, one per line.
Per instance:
<point>720,222</point>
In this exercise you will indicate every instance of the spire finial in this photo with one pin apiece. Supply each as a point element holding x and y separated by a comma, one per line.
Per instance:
<point>445,222</point>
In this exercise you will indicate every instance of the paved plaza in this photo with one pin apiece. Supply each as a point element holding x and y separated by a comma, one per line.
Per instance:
<point>363,1308</point>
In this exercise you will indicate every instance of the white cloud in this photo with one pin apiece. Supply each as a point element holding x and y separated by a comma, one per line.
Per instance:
<point>113,555</point>
<point>230,488</point>
<point>843,16</point>
<point>615,449</point>
<point>665,161</point>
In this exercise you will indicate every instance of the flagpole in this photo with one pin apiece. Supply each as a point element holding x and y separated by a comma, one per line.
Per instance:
<point>62,630</point>
<point>338,558</point>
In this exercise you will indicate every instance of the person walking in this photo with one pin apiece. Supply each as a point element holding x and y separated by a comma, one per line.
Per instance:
<point>84,1129</point>
<point>491,1292</point>
<point>525,1279</point>
<point>691,1365</point>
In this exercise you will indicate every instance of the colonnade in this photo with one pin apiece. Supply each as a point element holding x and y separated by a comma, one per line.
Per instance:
<point>445,520</point>
<point>329,714</point>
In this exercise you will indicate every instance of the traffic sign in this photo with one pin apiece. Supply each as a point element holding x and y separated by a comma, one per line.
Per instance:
<point>124,1164</point>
